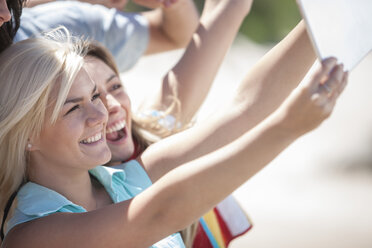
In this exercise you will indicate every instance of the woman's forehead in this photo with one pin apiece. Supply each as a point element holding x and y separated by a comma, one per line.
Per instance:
<point>99,71</point>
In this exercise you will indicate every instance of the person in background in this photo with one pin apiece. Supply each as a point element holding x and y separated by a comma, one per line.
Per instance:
<point>128,36</point>
<point>10,14</point>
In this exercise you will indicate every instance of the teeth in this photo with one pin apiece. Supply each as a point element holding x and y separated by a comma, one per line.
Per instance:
<point>118,126</point>
<point>92,139</point>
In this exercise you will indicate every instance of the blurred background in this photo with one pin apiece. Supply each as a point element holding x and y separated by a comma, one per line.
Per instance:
<point>268,21</point>
<point>318,192</point>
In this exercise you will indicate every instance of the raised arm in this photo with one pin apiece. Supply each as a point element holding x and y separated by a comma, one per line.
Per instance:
<point>203,182</point>
<point>259,94</point>
<point>193,75</point>
<point>171,24</point>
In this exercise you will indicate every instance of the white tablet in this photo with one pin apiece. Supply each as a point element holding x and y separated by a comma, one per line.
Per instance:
<point>339,28</point>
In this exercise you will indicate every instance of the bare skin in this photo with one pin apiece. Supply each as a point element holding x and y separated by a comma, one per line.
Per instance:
<point>5,15</point>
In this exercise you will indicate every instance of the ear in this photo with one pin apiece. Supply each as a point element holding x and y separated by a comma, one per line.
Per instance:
<point>32,145</point>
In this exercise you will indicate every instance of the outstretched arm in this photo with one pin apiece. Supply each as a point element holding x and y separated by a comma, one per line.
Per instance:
<point>193,75</point>
<point>204,182</point>
<point>259,94</point>
<point>171,24</point>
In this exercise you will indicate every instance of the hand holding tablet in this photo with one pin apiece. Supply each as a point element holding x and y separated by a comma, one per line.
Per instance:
<point>341,29</point>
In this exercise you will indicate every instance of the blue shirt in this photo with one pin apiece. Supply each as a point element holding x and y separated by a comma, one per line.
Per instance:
<point>125,35</point>
<point>36,201</point>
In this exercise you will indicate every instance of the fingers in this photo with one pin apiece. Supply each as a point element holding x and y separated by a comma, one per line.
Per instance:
<point>337,82</point>
<point>325,69</point>
<point>341,86</point>
<point>327,84</point>
<point>332,81</point>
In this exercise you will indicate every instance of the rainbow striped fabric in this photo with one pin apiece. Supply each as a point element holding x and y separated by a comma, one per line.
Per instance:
<point>221,225</point>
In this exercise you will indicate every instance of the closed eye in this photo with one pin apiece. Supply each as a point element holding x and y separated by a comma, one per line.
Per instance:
<point>72,109</point>
<point>116,86</point>
<point>96,96</point>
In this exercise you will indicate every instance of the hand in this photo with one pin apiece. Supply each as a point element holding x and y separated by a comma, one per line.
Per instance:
<point>152,4</point>
<point>313,101</point>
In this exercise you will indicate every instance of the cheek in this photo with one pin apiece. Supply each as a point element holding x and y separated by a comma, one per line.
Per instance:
<point>62,136</point>
<point>125,101</point>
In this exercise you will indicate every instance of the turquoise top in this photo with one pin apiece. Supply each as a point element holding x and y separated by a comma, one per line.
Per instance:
<point>121,183</point>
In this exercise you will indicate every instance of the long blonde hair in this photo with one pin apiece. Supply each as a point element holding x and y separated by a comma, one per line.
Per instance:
<point>29,70</point>
<point>146,129</point>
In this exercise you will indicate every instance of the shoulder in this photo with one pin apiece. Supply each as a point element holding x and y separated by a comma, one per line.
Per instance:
<point>34,201</point>
<point>125,180</point>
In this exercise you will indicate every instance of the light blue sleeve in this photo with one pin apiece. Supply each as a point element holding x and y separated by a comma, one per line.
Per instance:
<point>126,35</point>
<point>35,201</point>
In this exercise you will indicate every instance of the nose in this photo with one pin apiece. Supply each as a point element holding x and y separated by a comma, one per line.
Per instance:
<point>112,105</point>
<point>97,115</point>
<point>4,12</point>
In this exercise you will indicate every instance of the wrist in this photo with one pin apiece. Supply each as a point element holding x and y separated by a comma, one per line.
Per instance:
<point>285,125</point>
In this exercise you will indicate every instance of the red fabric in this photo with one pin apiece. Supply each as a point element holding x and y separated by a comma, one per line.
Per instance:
<point>228,237</point>
<point>201,239</point>
<point>226,234</point>
<point>135,154</point>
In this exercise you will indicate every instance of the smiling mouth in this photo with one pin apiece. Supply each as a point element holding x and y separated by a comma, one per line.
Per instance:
<point>92,139</point>
<point>116,132</point>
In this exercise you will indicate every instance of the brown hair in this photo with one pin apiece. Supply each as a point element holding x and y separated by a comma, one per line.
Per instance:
<point>9,29</point>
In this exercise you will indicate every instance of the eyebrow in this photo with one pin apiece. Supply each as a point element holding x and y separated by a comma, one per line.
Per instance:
<point>111,77</point>
<point>79,99</point>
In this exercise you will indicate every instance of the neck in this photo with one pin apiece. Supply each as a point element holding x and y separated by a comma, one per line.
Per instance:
<point>74,184</point>
<point>137,151</point>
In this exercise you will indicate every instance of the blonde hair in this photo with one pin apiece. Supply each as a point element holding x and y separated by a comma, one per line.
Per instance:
<point>146,129</point>
<point>29,71</point>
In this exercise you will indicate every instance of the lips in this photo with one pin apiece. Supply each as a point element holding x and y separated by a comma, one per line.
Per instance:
<point>116,126</point>
<point>116,131</point>
<point>92,139</point>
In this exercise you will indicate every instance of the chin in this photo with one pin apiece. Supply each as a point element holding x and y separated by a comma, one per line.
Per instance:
<point>119,155</point>
<point>121,152</point>
<point>103,158</point>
